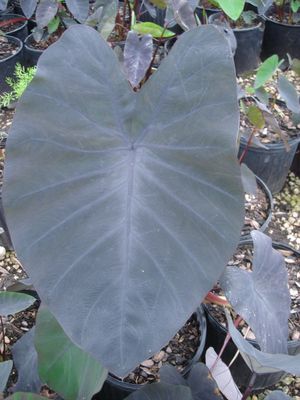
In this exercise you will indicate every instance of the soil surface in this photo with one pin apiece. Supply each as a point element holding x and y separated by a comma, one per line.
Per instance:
<point>10,26</point>
<point>178,352</point>
<point>44,44</point>
<point>257,210</point>
<point>7,48</point>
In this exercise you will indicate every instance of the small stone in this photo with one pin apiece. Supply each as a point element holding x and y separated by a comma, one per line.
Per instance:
<point>24,323</point>
<point>296,335</point>
<point>2,252</point>
<point>147,363</point>
<point>158,356</point>
<point>169,350</point>
<point>6,340</point>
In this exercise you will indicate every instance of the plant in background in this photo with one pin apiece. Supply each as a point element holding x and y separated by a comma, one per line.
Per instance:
<point>22,77</point>
<point>287,9</point>
<point>263,108</point>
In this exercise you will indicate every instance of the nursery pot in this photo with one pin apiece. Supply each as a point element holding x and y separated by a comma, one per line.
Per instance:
<point>20,32</point>
<point>249,42</point>
<point>295,167</point>
<point>117,389</point>
<point>216,334</point>
<point>7,65</point>
<point>264,188</point>
<point>31,55</point>
<point>280,38</point>
<point>272,164</point>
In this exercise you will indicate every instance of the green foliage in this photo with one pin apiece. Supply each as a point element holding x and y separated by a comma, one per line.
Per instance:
<point>256,117</point>
<point>18,84</point>
<point>157,31</point>
<point>266,70</point>
<point>232,8</point>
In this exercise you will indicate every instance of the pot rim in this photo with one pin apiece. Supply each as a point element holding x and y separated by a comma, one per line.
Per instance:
<point>5,17</point>
<point>267,18</point>
<point>251,28</point>
<point>19,42</point>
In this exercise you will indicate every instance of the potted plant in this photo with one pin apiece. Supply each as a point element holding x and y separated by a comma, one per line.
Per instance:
<point>253,254</point>
<point>182,249</point>
<point>144,207</point>
<point>282,29</point>
<point>10,54</point>
<point>272,108</point>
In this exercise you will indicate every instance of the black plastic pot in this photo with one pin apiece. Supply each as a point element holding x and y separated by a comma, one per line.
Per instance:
<point>201,12</point>
<point>280,38</point>
<point>216,334</point>
<point>261,184</point>
<point>249,42</point>
<point>295,167</point>
<point>31,55</point>
<point>9,10</point>
<point>21,32</point>
<point>271,165</point>
<point>116,389</point>
<point>7,65</point>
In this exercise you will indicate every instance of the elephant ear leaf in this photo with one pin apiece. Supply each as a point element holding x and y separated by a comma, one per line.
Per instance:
<point>261,362</point>
<point>13,302</point>
<point>145,190</point>
<point>69,371</point>
<point>137,56</point>
<point>79,8</point>
<point>266,307</point>
<point>162,391</point>
<point>28,7</point>
<point>26,363</point>
<point>5,369</point>
<point>45,12</point>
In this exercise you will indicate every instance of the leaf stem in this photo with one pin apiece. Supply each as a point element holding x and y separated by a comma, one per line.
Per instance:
<point>3,338</point>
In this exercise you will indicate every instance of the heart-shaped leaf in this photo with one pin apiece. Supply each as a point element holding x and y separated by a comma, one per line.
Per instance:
<point>184,14</point>
<point>69,371</point>
<point>266,70</point>
<point>28,7</point>
<point>79,8</point>
<point>162,391</point>
<point>5,369</point>
<point>150,28</point>
<point>137,56</point>
<point>25,360</point>
<point>45,12</point>
<point>233,8</point>
<point>13,302</point>
<point>261,362</point>
<point>289,94</point>
<point>266,307</point>
<point>144,194</point>
<point>104,16</point>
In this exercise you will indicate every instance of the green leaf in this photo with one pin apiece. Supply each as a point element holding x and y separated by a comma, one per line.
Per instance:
<point>296,66</point>
<point>162,4</point>
<point>53,25</point>
<point>266,70</point>
<point>13,302</point>
<point>232,8</point>
<point>150,28</point>
<point>26,396</point>
<point>295,4</point>
<point>67,369</point>
<point>255,116</point>
<point>250,90</point>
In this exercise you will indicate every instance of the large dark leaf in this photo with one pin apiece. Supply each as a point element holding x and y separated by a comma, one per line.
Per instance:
<point>259,361</point>
<point>25,360</point>
<point>289,94</point>
<point>3,4</point>
<point>11,302</point>
<point>124,207</point>
<point>5,369</point>
<point>45,11</point>
<point>68,370</point>
<point>26,396</point>
<point>28,7</point>
<point>137,56</point>
<point>162,391</point>
<point>262,296</point>
<point>79,8</point>
<point>278,395</point>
